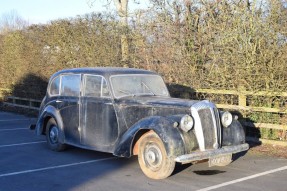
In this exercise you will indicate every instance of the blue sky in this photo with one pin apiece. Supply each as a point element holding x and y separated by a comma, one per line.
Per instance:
<point>42,11</point>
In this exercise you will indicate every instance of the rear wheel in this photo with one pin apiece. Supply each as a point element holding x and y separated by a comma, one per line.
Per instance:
<point>153,158</point>
<point>52,136</point>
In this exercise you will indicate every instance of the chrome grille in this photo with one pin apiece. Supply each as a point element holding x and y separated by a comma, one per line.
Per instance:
<point>207,125</point>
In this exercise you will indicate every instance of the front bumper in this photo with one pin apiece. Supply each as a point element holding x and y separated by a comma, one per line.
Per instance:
<point>201,155</point>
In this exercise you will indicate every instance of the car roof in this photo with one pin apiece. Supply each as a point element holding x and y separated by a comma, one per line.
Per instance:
<point>104,71</point>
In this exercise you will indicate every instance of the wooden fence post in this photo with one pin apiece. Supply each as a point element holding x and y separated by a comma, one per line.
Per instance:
<point>242,103</point>
<point>242,97</point>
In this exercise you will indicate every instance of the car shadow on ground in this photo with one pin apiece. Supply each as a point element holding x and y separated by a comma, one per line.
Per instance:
<point>208,172</point>
<point>181,167</point>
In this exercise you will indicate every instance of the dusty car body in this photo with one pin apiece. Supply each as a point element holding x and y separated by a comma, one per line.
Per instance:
<point>130,112</point>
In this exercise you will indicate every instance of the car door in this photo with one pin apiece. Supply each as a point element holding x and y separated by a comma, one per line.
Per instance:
<point>68,104</point>
<point>98,117</point>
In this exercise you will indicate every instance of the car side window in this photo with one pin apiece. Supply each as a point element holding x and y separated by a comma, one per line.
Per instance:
<point>70,85</point>
<point>55,87</point>
<point>96,86</point>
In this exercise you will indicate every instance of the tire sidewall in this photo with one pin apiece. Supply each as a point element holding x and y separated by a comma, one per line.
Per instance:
<point>167,164</point>
<point>53,146</point>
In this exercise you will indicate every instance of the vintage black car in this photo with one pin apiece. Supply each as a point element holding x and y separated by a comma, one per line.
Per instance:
<point>130,112</point>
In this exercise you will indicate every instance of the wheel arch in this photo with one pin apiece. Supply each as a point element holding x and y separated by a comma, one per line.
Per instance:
<point>45,122</point>
<point>162,126</point>
<point>48,113</point>
<point>136,139</point>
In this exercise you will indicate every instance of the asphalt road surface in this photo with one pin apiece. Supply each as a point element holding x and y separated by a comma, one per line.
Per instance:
<point>26,164</point>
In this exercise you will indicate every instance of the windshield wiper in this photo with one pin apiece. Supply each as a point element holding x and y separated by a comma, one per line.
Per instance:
<point>147,88</point>
<point>126,92</point>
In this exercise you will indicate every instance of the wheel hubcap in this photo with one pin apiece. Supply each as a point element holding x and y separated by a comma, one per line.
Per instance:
<point>54,132</point>
<point>153,157</point>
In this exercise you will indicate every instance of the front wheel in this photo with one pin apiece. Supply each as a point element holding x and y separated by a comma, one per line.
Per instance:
<point>153,158</point>
<point>52,136</point>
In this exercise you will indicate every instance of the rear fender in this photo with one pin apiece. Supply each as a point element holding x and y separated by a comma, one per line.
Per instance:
<point>47,113</point>
<point>162,126</point>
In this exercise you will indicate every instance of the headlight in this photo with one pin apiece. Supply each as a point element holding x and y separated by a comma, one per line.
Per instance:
<point>186,123</point>
<point>226,118</point>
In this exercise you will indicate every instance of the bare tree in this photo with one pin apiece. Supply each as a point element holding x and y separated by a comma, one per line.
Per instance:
<point>12,21</point>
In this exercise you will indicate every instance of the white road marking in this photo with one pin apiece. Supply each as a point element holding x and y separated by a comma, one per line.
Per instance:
<point>54,167</point>
<point>21,144</point>
<point>8,120</point>
<point>243,179</point>
<point>14,129</point>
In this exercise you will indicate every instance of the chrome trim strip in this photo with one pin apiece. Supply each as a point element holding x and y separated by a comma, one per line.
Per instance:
<point>218,124</point>
<point>216,128</point>
<point>198,128</point>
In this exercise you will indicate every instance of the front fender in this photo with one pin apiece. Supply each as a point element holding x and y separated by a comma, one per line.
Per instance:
<point>162,126</point>
<point>50,112</point>
<point>233,135</point>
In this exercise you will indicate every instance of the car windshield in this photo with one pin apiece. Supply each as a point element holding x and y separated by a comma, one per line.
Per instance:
<point>136,84</point>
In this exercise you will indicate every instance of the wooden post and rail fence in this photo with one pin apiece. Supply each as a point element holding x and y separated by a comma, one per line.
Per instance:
<point>242,106</point>
<point>26,103</point>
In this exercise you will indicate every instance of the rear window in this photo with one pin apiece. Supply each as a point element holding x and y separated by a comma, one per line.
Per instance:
<point>71,85</point>
<point>55,87</point>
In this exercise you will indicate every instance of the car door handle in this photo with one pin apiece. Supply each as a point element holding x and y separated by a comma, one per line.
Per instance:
<point>59,101</point>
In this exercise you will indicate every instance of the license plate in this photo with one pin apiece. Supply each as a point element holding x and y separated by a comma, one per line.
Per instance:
<point>220,160</point>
